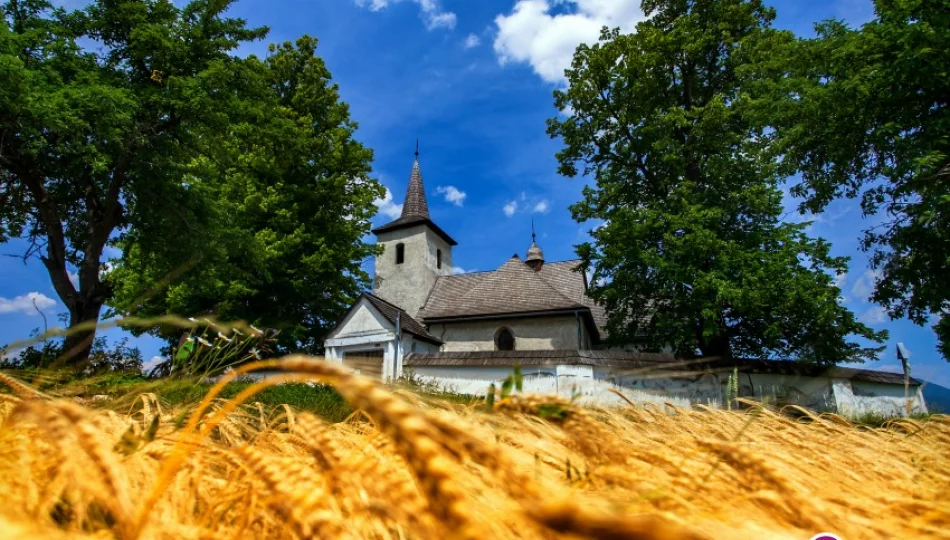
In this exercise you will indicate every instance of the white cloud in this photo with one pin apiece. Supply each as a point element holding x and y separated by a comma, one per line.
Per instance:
<point>460,270</point>
<point>523,204</point>
<point>150,364</point>
<point>387,207</point>
<point>471,41</point>
<point>445,19</point>
<point>864,285</point>
<point>841,280</point>
<point>429,10</point>
<point>532,34</point>
<point>452,194</point>
<point>873,316</point>
<point>25,303</point>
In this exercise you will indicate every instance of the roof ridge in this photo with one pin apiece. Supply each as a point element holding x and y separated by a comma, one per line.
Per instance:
<point>520,266</point>
<point>383,300</point>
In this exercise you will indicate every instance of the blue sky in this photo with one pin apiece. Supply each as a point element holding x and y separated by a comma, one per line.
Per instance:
<point>473,80</point>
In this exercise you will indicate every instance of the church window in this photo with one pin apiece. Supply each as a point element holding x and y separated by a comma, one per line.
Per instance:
<point>504,340</point>
<point>438,259</point>
<point>400,253</point>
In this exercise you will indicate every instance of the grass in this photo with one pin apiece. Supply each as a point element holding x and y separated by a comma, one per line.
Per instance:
<point>149,462</point>
<point>123,389</point>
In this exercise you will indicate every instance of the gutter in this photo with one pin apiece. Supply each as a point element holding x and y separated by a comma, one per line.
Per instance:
<point>517,315</point>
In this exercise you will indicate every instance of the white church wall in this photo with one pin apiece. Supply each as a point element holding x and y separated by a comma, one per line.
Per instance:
<point>361,321</point>
<point>364,329</point>
<point>531,333</point>
<point>410,345</point>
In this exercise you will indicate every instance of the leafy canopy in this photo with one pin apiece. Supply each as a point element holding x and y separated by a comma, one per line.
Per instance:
<point>863,113</point>
<point>230,184</point>
<point>291,206</point>
<point>99,109</point>
<point>692,252</point>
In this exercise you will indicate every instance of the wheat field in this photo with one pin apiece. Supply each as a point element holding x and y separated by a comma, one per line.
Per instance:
<point>405,467</point>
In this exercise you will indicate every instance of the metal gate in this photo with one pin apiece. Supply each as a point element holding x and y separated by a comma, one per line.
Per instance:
<point>366,363</point>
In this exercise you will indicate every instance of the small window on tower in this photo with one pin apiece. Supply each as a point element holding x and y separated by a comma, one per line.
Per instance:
<point>438,259</point>
<point>504,340</point>
<point>400,253</point>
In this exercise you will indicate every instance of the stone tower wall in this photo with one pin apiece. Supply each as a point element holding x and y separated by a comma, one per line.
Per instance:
<point>407,285</point>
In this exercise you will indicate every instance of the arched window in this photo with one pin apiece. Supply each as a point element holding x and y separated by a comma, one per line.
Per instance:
<point>400,253</point>
<point>438,259</point>
<point>504,340</point>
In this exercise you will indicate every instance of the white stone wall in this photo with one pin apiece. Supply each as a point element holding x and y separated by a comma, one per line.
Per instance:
<point>595,385</point>
<point>859,398</point>
<point>407,285</point>
<point>531,334</point>
<point>475,381</point>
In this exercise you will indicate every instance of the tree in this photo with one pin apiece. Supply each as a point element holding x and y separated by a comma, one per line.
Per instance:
<point>292,206</point>
<point>93,139</point>
<point>692,252</point>
<point>863,113</point>
<point>44,355</point>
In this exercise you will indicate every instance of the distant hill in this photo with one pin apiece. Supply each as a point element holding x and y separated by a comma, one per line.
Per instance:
<point>937,398</point>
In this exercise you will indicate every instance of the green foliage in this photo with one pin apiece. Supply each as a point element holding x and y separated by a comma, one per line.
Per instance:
<point>862,113</point>
<point>513,382</point>
<point>321,400</point>
<point>292,202</point>
<point>506,386</point>
<point>93,140</point>
<point>130,442</point>
<point>554,412</point>
<point>214,349</point>
<point>231,185</point>
<point>692,251</point>
<point>732,388</point>
<point>119,358</point>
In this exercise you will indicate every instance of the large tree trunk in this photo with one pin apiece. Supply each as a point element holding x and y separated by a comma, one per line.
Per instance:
<point>716,346</point>
<point>78,345</point>
<point>85,301</point>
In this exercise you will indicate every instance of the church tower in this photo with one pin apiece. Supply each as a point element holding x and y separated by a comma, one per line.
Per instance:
<point>415,251</point>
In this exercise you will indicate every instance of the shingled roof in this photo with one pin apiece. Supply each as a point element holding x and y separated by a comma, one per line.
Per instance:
<point>407,323</point>
<point>415,208</point>
<point>513,289</point>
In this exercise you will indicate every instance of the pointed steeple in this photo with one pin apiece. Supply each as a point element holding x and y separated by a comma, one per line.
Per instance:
<point>535,258</point>
<point>415,208</point>
<point>415,204</point>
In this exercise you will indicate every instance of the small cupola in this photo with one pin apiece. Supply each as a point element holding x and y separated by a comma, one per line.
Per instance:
<point>535,258</point>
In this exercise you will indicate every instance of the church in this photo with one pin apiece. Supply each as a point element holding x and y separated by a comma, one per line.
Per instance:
<point>464,332</point>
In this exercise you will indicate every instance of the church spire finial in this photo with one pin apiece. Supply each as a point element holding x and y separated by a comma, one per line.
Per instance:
<point>417,148</point>
<point>535,258</point>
